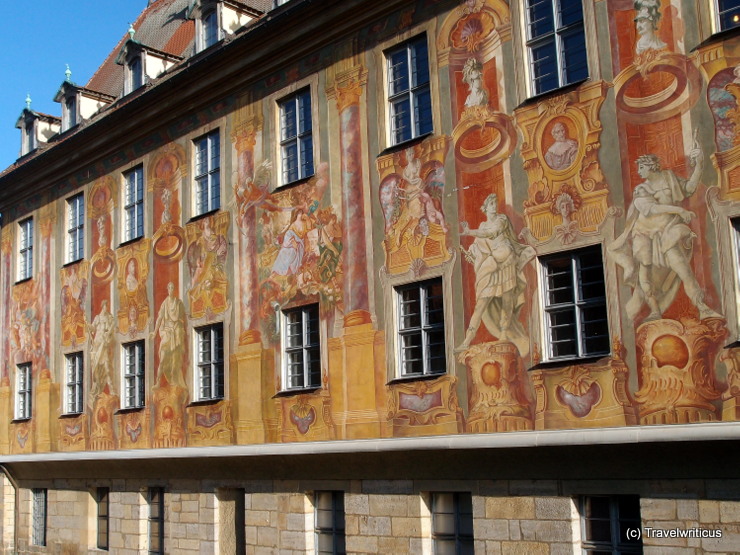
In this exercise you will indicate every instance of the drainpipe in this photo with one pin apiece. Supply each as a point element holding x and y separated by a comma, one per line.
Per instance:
<point>17,505</point>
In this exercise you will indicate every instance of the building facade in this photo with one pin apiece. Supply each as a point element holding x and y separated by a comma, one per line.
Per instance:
<point>411,276</point>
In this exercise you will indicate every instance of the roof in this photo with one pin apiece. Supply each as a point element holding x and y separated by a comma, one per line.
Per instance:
<point>162,26</point>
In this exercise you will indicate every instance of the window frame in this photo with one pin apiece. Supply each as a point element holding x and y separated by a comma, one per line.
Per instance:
<point>336,528</point>
<point>458,535</point>
<point>304,168</point>
<point>25,248</point>
<point>74,390</point>
<point>75,228</point>
<point>718,14</point>
<point>210,384</point>
<point>30,140</point>
<point>210,178</point>
<point>412,91</point>
<point>69,112</point>
<point>134,357</point>
<point>102,501</point>
<point>155,519</point>
<point>23,392</point>
<point>135,76</point>
<point>133,203</point>
<point>39,505</point>
<point>423,330</point>
<point>616,523</point>
<point>203,28</point>
<point>555,35</point>
<point>309,351</point>
<point>578,303</point>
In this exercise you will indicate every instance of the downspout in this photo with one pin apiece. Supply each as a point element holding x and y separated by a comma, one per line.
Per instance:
<point>17,505</point>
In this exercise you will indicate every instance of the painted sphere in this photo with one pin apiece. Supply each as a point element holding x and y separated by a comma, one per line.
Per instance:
<point>102,415</point>
<point>670,350</point>
<point>168,413</point>
<point>490,373</point>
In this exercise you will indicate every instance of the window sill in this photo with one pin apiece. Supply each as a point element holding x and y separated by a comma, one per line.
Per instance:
<point>73,262</point>
<point>20,420</point>
<point>560,362</point>
<point>296,183</point>
<point>718,36</point>
<point>552,92</point>
<point>70,415</point>
<point>405,144</point>
<point>205,402</point>
<point>416,378</point>
<point>126,410</point>
<point>297,391</point>
<point>204,215</point>
<point>24,280</point>
<point>130,241</point>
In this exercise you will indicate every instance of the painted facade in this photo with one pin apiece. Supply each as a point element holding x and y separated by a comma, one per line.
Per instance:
<point>639,162</point>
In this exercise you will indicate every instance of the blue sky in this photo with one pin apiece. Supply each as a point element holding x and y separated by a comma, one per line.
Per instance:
<point>37,39</point>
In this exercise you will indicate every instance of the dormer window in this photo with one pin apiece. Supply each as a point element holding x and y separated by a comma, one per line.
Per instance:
<point>69,114</point>
<point>135,74</point>
<point>29,136</point>
<point>209,29</point>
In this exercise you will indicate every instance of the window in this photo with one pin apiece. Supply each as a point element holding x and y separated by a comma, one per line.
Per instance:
<point>556,43</point>
<point>210,362</point>
<point>133,375</point>
<point>575,305</point>
<point>101,497</point>
<point>70,112</point>
<point>728,14</point>
<point>133,204</point>
<point>452,523</point>
<point>156,520</point>
<point>135,74</point>
<point>207,173</point>
<point>38,513</point>
<point>296,140</point>
<point>605,521</point>
<point>329,522</point>
<point>74,390</point>
<point>301,348</point>
<point>421,333</point>
<point>25,249</point>
<point>209,29</point>
<point>409,96</point>
<point>76,228</point>
<point>23,392</point>
<point>30,136</point>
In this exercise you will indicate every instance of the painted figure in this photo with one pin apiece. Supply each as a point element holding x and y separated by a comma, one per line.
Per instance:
<point>206,258</point>
<point>655,247</point>
<point>646,23</point>
<point>330,245</point>
<point>473,77</point>
<point>293,245</point>
<point>562,153</point>
<point>101,350</point>
<point>171,327</point>
<point>498,260</point>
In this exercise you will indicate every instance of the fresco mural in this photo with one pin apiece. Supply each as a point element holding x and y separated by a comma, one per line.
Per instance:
<point>133,301</point>
<point>206,258</point>
<point>73,280</point>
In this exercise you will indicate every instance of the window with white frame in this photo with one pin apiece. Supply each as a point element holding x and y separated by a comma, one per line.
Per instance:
<point>23,383</point>
<point>575,304</point>
<point>605,521</point>
<point>155,498</point>
<point>25,249</point>
<point>556,43</point>
<point>329,522</point>
<point>409,94</point>
<point>133,204</point>
<point>296,139</point>
<point>207,173</point>
<point>74,391</point>
<point>301,348</point>
<point>209,29</point>
<point>728,14</point>
<point>452,522</point>
<point>76,228</point>
<point>210,371</point>
<point>38,515</point>
<point>133,375</point>
<point>421,328</point>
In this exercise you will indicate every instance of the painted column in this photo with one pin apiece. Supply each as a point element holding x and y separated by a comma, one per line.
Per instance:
<point>5,308</point>
<point>244,142</point>
<point>348,90</point>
